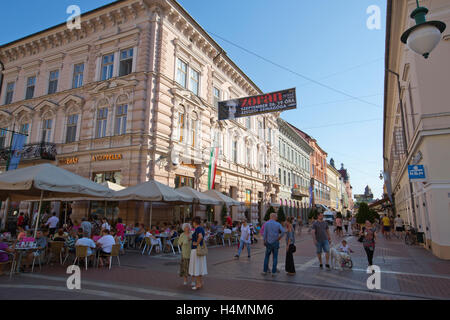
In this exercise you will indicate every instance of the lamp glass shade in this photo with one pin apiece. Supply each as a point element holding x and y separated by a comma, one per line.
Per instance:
<point>424,39</point>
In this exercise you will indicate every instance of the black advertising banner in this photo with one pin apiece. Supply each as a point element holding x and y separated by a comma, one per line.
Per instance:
<point>250,106</point>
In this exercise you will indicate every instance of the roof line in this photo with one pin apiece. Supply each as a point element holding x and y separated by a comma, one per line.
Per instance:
<point>224,54</point>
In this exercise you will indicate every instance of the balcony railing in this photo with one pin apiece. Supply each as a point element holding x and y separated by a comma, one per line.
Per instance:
<point>300,192</point>
<point>36,151</point>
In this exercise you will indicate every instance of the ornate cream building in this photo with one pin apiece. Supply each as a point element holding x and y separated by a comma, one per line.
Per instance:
<point>132,96</point>
<point>294,172</point>
<point>417,131</point>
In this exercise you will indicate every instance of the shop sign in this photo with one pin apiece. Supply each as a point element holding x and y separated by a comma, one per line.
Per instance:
<point>107,157</point>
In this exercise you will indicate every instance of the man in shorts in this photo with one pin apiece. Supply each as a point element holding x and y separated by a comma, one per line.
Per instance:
<point>322,239</point>
<point>386,226</point>
<point>399,227</point>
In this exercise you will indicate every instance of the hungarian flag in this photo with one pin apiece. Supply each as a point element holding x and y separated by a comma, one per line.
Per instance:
<point>212,167</point>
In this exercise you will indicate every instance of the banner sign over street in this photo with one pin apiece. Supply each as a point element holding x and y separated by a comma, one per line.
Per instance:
<point>250,106</point>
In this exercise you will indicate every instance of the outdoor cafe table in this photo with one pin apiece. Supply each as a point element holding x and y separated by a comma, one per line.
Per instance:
<point>21,251</point>
<point>163,237</point>
<point>130,240</point>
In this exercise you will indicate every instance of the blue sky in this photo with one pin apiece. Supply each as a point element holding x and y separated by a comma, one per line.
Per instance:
<point>325,40</point>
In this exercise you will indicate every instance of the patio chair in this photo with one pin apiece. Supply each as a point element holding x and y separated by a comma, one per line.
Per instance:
<point>81,252</point>
<point>227,237</point>
<point>11,260</point>
<point>148,244</point>
<point>56,249</point>
<point>114,254</point>
<point>38,257</point>
<point>175,244</point>
<point>170,243</point>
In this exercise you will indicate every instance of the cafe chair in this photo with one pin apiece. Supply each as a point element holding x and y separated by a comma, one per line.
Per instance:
<point>147,244</point>
<point>114,254</point>
<point>81,252</point>
<point>227,238</point>
<point>11,260</point>
<point>56,249</point>
<point>38,257</point>
<point>176,244</point>
<point>171,244</point>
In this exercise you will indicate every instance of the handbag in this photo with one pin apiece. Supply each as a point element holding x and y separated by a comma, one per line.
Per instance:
<point>360,239</point>
<point>292,248</point>
<point>202,250</point>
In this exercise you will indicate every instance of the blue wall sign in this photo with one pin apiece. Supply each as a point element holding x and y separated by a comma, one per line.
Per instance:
<point>416,172</point>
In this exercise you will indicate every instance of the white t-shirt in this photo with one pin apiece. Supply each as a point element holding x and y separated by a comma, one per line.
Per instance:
<point>227,231</point>
<point>245,234</point>
<point>106,226</point>
<point>107,242</point>
<point>86,242</point>
<point>52,222</point>
<point>398,222</point>
<point>345,249</point>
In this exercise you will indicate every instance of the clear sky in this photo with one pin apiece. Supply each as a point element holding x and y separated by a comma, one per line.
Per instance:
<point>324,40</point>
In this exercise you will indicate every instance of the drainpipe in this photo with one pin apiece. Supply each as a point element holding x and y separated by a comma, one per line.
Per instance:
<point>1,76</point>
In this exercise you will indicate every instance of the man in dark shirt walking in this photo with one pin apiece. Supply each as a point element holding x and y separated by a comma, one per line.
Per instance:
<point>322,239</point>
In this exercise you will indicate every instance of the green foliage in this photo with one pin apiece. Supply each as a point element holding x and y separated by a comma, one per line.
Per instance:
<point>269,211</point>
<point>223,214</point>
<point>364,213</point>
<point>281,215</point>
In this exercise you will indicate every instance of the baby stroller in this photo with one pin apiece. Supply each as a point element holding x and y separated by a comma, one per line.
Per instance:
<point>347,261</point>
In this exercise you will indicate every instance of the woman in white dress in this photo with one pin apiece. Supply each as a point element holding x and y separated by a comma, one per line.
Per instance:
<point>197,264</point>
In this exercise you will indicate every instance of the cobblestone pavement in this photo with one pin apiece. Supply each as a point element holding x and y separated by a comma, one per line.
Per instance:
<point>406,273</point>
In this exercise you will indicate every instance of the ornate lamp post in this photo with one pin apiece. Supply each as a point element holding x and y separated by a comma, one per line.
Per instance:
<point>425,35</point>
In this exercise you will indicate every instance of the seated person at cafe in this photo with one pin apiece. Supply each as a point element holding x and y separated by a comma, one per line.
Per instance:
<point>154,240</point>
<point>155,230</point>
<point>214,227</point>
<point>105,243</point>
<point>60,236</point>
<point>4,250</point>
<point>22,234</point>
<point>136,228</point>
<point>140,234</point>
<point>71,240</point>
<point>227,230</point>
<point>41,245</point>
<point>85,241</point>
<point>173,233</point>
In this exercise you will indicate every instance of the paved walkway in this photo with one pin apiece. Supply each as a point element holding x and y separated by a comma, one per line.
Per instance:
<point>406,273</point>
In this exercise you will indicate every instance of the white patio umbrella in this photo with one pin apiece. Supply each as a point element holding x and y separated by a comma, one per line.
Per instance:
<point>199,197</point>
<point>47,181</point>
<point>223,198</point>
<point>152,191</point>
<point>112,186</point>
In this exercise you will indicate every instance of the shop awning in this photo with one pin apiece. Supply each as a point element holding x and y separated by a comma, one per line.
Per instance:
<point>199,197</point>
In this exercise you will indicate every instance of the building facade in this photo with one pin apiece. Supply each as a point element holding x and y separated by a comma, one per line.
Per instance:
<point>348,189</point>
<point>417,131</point>
<point>334,183</point>
<point>132,96</point>
<point>293,171</point>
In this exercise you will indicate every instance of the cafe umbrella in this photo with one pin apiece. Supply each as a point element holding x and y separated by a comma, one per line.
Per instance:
<point>152,191</point>
<point>45,182</point>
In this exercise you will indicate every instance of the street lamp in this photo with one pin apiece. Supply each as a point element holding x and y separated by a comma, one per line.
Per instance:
<point>425,35</point>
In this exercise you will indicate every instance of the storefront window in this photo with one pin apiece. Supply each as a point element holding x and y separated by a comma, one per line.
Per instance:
<point>181,181</point>
<point>114,176</point>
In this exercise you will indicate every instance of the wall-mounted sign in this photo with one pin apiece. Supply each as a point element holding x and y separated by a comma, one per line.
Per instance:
<point>250,106</point>
<point>416,172</point>
<point>107,157</point>
<point>73,160</point>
